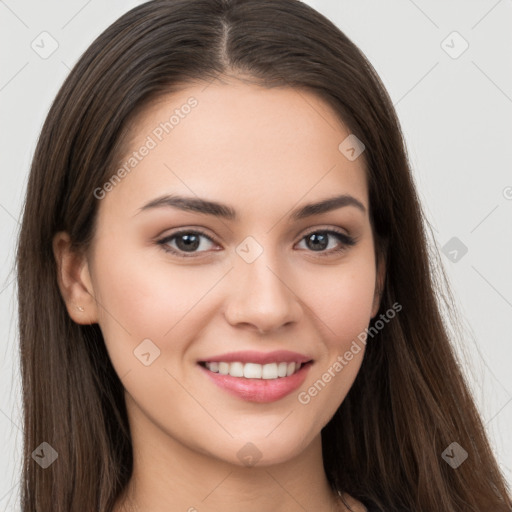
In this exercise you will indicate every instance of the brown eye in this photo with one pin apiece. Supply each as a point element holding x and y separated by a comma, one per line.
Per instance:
<point>185,243</point>
<point>318,241</point>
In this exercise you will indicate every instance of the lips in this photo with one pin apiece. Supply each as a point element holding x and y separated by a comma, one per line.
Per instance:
<point>257,376</point>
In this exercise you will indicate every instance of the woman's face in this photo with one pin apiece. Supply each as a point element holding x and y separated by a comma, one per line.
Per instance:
<point>263,285</point>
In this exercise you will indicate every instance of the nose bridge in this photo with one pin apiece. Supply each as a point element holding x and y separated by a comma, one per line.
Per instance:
<point>263,297</point>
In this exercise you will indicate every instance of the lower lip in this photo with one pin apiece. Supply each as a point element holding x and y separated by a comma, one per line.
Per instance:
<point>259,390</point>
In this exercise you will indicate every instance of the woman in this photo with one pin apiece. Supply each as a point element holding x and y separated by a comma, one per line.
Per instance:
<point>240,311</point>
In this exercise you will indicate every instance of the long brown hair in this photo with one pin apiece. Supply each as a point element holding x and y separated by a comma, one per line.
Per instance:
<point>410,400</point>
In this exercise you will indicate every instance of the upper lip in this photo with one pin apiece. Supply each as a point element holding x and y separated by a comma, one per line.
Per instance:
<point>248,356</point>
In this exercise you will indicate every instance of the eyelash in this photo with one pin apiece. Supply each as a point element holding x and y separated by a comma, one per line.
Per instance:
<point>346,242</point>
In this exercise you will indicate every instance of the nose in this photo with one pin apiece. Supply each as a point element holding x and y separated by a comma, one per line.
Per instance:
<point>261,297</point>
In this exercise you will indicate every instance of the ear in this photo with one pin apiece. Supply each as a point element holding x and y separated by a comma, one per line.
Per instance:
<point>379,285</point>
<point>74,281</point>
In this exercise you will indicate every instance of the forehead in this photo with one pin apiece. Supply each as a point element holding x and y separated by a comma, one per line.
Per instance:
<point>241,143</point>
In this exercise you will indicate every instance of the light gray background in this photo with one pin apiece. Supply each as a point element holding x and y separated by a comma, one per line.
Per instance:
<point>456,117</point>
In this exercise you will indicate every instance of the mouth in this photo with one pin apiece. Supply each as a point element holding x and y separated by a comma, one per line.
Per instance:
<point>269,371</point>
<point>257,377</point>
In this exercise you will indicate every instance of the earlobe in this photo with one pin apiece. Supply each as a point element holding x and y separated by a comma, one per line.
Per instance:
<point>74,281</point>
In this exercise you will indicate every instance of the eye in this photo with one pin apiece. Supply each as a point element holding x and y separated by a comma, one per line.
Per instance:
<point>319,241</point>
<point>186,242</point>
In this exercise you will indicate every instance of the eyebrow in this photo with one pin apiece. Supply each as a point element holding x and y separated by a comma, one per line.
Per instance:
<point>206,207</point>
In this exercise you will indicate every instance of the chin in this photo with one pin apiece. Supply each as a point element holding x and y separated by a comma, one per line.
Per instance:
<point>260,450</point>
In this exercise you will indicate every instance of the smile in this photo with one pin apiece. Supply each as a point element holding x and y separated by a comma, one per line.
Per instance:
<point>257,376</point>
<point>268,371</point>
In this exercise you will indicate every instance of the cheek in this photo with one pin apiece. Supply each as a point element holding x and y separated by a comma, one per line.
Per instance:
<point>342,315</point>
<point>343,300</point>
<point>342,305</point>
<point>140,300</point>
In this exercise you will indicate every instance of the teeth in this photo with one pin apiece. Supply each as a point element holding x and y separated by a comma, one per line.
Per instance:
<point>269,371</point>
<point>282,369</point>
<point>236,370</point>
<point>253,370</point>
<point>223,368</point>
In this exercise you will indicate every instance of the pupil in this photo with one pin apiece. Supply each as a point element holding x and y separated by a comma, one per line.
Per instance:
<point>190,243</point>
<point>322,238</point>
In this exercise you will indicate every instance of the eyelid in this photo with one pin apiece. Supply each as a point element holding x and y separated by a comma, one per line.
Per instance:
<point>344,238</point>
<point>325,229</point>
<point>198,231</point>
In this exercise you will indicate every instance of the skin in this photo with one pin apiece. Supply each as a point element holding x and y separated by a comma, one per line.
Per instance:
<point>264,152</point>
